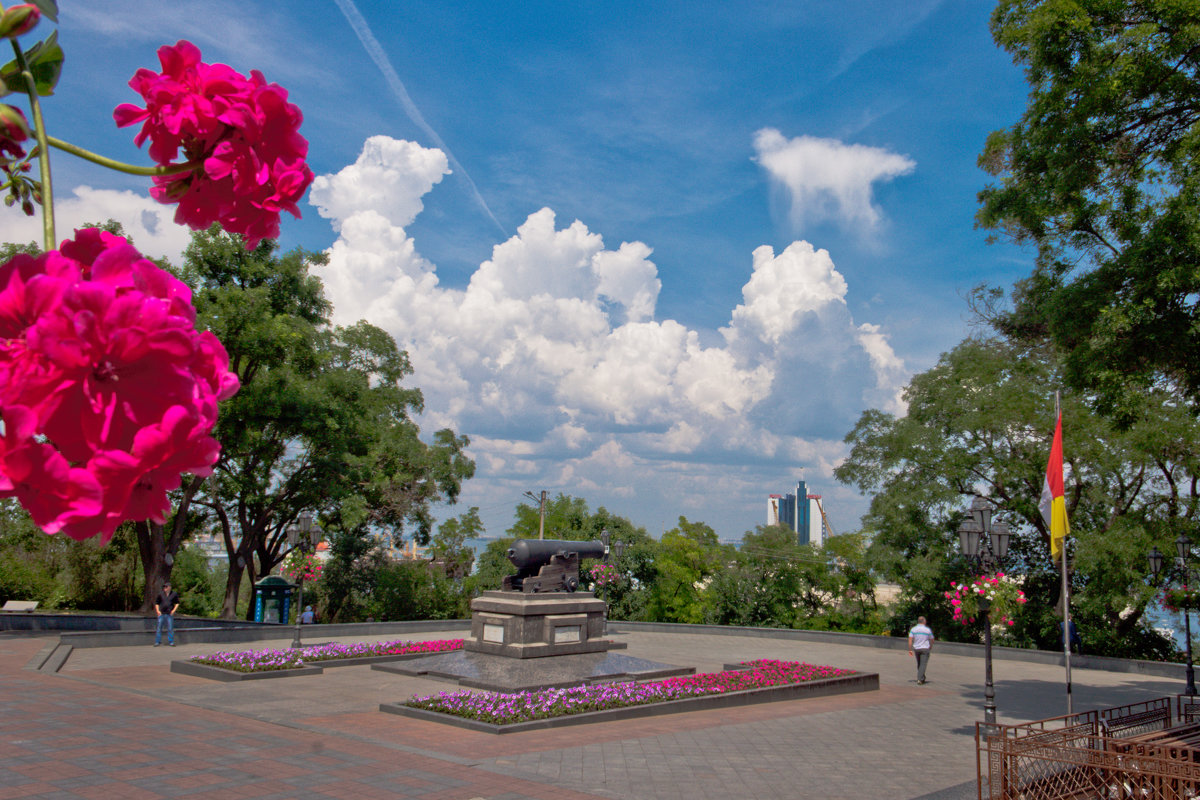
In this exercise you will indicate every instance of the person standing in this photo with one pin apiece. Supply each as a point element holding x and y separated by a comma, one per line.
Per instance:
<point>308,617</point>
<point>920,642</point>
<point>165,605</point>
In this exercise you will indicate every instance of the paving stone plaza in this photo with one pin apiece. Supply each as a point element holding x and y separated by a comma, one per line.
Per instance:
<point>115,722</point>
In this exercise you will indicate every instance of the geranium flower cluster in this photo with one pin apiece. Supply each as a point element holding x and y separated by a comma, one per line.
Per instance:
<point>271,660</point>
<point>299,565</point>
<point>241,134</point>
<point>604,574</point>
<point>107,391</point>
<point>506,709</point>
<point>1002,591</point>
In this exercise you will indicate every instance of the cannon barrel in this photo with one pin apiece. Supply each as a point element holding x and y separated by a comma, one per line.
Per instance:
<point>526,554</point>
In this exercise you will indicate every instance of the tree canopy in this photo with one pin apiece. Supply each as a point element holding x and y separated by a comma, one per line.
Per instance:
<point>980,421</point>
<point>1101,175</point>
<point>322,422</point>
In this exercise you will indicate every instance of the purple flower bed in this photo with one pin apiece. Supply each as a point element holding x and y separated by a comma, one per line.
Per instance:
<point>270,660</point>
<point>506,709</point>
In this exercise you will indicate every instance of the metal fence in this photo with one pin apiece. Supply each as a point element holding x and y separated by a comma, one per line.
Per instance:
<point>1115,754</point>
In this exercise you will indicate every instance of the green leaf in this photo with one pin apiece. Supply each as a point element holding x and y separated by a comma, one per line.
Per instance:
<point>45,61</point>
<point>49,9</point>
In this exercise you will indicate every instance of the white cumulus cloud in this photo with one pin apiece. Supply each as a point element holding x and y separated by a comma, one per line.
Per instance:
<point>826,178</point>
<point>553,360</point>
<point>150,224</point>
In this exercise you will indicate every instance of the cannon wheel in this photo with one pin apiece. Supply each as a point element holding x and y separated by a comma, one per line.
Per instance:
<point>571,583</point>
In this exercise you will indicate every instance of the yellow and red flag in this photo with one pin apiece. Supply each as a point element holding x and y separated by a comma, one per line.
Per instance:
<point>1054,502</point>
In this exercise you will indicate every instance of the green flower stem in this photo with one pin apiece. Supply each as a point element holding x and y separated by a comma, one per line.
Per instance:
<point>49,241</point>
<point>121,166</point>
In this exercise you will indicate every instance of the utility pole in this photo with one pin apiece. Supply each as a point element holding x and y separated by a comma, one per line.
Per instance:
<point>541,501</point>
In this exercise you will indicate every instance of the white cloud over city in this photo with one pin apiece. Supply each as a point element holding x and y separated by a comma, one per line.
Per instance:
<point>553,360</point>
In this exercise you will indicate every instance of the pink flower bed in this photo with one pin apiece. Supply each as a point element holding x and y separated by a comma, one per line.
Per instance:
<point>506,709</point>
<point>272,660</point>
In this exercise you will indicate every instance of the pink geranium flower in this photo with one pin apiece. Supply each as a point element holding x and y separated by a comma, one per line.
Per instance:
<point>100,360</point>
<point>241,133</point>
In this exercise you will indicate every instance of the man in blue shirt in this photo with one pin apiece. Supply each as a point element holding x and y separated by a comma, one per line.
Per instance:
<point>920,641</point>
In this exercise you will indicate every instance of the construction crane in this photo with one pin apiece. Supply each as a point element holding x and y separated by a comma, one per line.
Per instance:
<point>824,517</point>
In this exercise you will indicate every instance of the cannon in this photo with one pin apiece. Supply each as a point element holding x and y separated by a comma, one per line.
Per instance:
<point>548,565</point>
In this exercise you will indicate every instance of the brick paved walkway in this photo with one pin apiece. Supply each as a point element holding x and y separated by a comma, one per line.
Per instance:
<point>115,722</point>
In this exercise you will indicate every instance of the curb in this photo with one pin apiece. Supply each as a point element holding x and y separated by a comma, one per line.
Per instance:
<point>1163,669</point>
<point>257,632</point>
<point>848,684</point>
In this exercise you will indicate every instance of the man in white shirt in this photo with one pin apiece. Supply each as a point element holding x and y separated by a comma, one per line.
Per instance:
<point>920,641</point>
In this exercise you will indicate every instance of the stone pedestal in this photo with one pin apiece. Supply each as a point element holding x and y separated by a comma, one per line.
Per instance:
<point>519,625</point>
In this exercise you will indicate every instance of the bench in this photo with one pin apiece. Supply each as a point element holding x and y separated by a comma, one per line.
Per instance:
<point>19,605</point>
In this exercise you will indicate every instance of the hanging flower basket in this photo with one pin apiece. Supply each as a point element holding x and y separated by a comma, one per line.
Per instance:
<point>298,564</point>
<point>1003,591</point>
<point>1181,599</point>
<point>604,574</point>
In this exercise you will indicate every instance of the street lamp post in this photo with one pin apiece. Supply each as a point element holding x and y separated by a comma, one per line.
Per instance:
<point>985,544</point>
<point>609,557</point>
<point>303,537</point>
<point>617,548</point>
<point>1182,569</point>
<point>604,537</point>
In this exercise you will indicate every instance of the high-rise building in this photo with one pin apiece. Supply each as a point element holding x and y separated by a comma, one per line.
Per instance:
<point>799,512</point>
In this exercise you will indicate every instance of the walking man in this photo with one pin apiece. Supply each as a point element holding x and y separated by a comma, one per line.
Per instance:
<point>920,640</point>
<point>165,604</point>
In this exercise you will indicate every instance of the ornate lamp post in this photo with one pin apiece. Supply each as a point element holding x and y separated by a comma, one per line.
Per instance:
<point>611,557</point>
<point>303,537</point>
<point>985,544</point>
<point>1182,569</point>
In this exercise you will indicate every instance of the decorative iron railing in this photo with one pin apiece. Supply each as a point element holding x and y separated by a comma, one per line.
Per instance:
<point>1142,751</point>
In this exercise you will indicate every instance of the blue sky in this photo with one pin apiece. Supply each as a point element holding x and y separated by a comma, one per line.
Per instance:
<point>657,255</point>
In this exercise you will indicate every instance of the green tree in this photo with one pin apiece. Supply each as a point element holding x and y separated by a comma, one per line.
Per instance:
<point>980,422</point>
<point>59,572</point>
<point>345,591</point>
<point>774,582</point>
<point>689,555</point>
<point>321,423</point>
<point>1102,176</point>
<point>493,565</point>
<point>406,590</point>
<point>449,544</point>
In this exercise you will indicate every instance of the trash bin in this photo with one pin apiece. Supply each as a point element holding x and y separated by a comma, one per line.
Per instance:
<point>273,600</point>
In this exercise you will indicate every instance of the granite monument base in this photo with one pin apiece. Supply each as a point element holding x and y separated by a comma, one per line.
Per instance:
<point>544,640</point>
<point>519,625</point>
<point>504,674</point>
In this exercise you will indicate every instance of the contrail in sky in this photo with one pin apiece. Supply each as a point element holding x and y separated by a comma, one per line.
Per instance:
<point>375,51</point>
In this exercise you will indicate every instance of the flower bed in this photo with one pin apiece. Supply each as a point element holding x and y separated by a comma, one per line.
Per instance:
<point>507,709</point>
<point>288,659</point>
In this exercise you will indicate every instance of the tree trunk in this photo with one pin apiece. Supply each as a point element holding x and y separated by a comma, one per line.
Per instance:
<point>157,545</point>
<point>155,570</point>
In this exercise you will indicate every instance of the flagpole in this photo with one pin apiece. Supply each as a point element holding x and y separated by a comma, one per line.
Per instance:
<point>1066,590</point>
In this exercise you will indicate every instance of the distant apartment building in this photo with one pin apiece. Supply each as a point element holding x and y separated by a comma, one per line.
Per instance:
<point>799,512</point>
